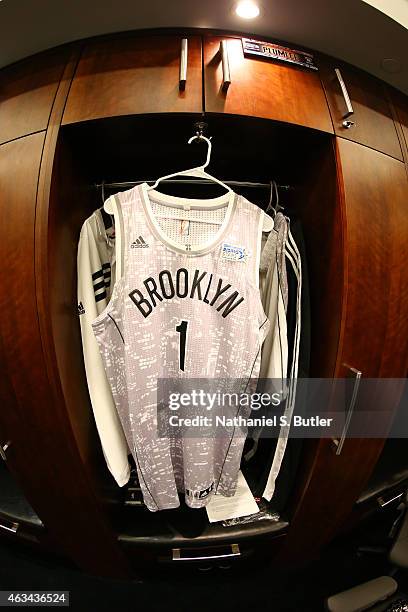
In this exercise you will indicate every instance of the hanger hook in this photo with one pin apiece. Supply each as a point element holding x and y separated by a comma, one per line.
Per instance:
<point>199,136</point>
<point>277,207</point>
<point>271,192</point>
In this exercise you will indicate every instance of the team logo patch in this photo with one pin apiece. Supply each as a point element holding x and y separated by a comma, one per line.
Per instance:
<point>81,309</point>
<point>232,252</point>
<point>139,243</point>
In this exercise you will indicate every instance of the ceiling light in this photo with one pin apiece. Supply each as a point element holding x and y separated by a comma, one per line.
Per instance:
<point>391,64</point>
<point>247,9</point>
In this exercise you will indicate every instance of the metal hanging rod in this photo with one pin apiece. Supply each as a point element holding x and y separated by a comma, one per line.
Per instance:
<point>248,184</point>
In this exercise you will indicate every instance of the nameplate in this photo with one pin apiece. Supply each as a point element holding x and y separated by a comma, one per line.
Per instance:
<point>274,52</point>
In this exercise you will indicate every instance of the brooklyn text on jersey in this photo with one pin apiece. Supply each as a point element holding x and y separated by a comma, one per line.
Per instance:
<point>200,285</point>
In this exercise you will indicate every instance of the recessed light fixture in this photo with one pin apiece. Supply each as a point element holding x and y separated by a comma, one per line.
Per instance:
<point>246,9</point>
<point>391,64</point>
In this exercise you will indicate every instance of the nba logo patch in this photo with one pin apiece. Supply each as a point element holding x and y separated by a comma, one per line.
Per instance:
<point>231,252</point>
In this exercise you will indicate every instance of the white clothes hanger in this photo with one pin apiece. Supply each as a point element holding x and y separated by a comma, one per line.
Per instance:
<point>274,207</point>
<point>200,172</point>
<point>197,172</point>
<point>270,203</point>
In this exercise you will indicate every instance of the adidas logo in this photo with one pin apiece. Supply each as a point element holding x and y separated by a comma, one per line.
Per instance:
<point>139,244</point>
<point>81,309</point>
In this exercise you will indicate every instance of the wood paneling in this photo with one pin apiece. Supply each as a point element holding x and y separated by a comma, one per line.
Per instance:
<point>376,217</point>
<point>374,125</point>
<point>402,111</point>
<point>372,338</point>
<point>19,168</point>
<point>27,92</point>
<point>135,75</point>
<point>399,103</point>
<point>18,454</point>
<point>261,88</point>
<point>94,546</point>
<point>43,451</point>
<point>22,380</point>
<point>55,268</point>
<point>324,236</point>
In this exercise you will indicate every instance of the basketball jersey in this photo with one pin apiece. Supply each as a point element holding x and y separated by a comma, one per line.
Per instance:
<point>187,306</point>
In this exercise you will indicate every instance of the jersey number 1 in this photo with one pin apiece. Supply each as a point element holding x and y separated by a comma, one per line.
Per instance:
<point>182,330</point>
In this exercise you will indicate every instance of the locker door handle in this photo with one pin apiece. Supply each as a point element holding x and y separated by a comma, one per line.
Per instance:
<point>346,97</point>
<point>339,443</point>
<point>3,449</point>
<point>13,527</point>
<point>183,64</point>
<point>226,74</point>
<point>385,502</point>
<point>178,555</point>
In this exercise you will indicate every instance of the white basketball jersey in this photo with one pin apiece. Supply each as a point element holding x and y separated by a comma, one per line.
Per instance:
<point>187,306</point>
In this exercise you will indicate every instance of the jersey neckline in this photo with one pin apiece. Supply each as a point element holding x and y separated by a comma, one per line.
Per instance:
<point>228,200</point>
